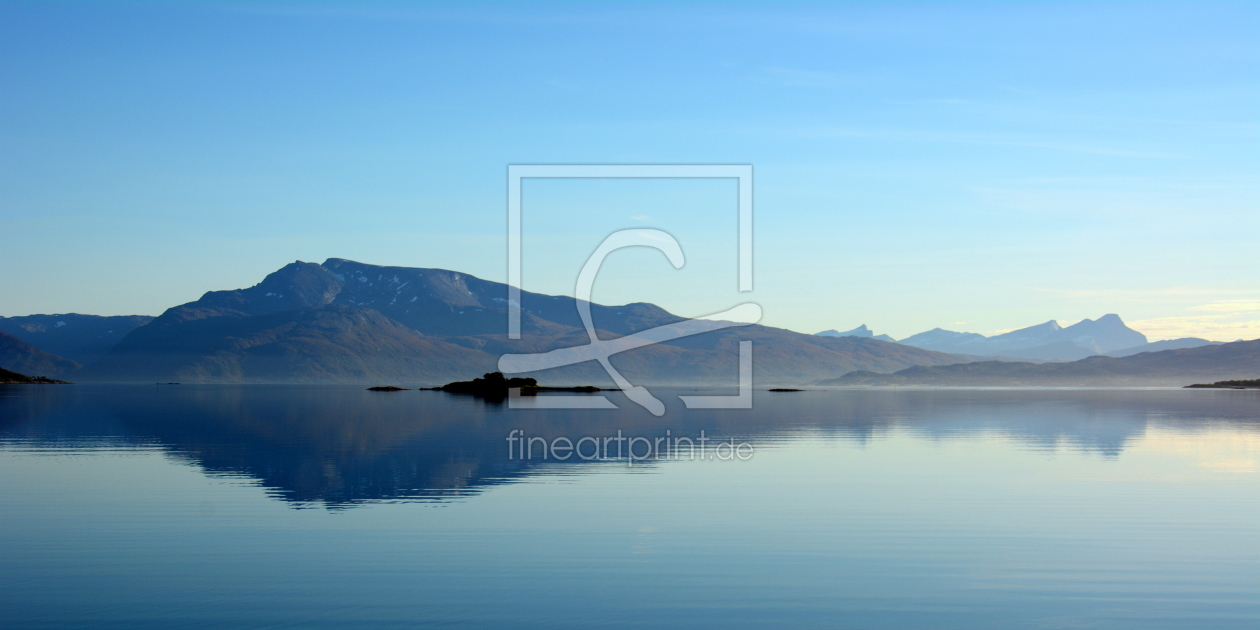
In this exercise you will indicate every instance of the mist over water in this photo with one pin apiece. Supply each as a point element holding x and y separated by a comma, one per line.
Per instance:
<point>236,506</point>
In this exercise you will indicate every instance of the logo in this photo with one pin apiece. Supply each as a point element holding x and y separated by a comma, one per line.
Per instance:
<point>600,349</point>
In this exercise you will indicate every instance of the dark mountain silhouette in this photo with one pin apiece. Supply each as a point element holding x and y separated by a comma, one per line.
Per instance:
<point>13,378</point>
<point>345,321</point>
<point>1238,360</point>
<point>81,338</point>
<point>860,331</point>
<point>18,356</point>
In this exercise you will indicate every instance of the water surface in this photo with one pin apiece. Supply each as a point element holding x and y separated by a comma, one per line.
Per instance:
<point>258,506</point>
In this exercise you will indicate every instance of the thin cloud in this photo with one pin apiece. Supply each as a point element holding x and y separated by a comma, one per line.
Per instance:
<point>1211,327</point>
<point>1230,306</point>
<point>1145,295</point>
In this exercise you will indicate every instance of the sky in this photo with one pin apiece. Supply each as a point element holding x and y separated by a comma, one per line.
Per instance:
<point>972,166</point>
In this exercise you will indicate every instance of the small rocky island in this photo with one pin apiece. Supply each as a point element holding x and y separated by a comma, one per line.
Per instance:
<point>495,386</point>
<point>1251,384</point>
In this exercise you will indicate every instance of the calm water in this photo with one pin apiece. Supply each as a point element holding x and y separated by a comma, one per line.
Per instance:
<point>247,507</point>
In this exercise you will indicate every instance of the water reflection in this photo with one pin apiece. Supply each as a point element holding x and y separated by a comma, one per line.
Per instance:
<point>336,447</point>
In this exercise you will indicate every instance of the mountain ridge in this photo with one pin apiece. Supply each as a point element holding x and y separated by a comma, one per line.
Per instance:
<point>860,331</point>
<point>18,356</point>
<point>75,336</point>
<point>345,321</point>
<point>1047,340</point>
<point>1174,367</point>
<point>348,322</point>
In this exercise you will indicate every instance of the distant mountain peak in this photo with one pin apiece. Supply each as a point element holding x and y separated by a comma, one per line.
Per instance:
<point>1105,334</point>
<point>860,331</point>
<point>1047,341</point>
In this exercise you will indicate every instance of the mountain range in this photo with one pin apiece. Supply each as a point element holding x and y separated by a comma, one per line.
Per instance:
<point>80,338</point>
<point>860,331</point>
<point>344,321</point>
<point>1105,336</point>
<point>1177,367</point>
<point>1043,341</point>
<point>348,322</point>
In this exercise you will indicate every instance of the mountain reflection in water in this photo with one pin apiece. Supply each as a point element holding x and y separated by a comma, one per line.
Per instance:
<point>339,446</point>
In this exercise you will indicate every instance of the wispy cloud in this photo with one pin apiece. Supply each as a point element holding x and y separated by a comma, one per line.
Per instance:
<point>1230,306</point>
<point>1211,327</point>
<point>1148,295</point>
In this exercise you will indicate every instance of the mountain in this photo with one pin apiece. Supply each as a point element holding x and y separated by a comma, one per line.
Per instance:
<point>938,338</point>
<point>18,356</point>
<point>1056,351</point>
<point>287,328</point>
<point>1105,334</point>
<point>1167,344</point>
<point>1047,342</point>
<point>332,343</point>
<point>81,338</point>
<point>13,378</point>
<point>345,321</point>
<point>860,331</point>
<point>1237,360</point>
<point>1024,338</point>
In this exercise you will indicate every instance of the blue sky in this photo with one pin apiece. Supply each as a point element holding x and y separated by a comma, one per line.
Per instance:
<point>974,166</point>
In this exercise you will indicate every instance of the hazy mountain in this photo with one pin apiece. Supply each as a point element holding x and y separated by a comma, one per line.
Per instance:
<point>1024,338</point>
<point>860,331</point>
<point>1168,344</point>
<point>1056,351</point>
<point>82,338</point>
<point>345,321</point>
<point>1237,360</point>
<point>1048,341</point>
<point>1105,334</point>
<point>938,338</point>
<point>18,356</point>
